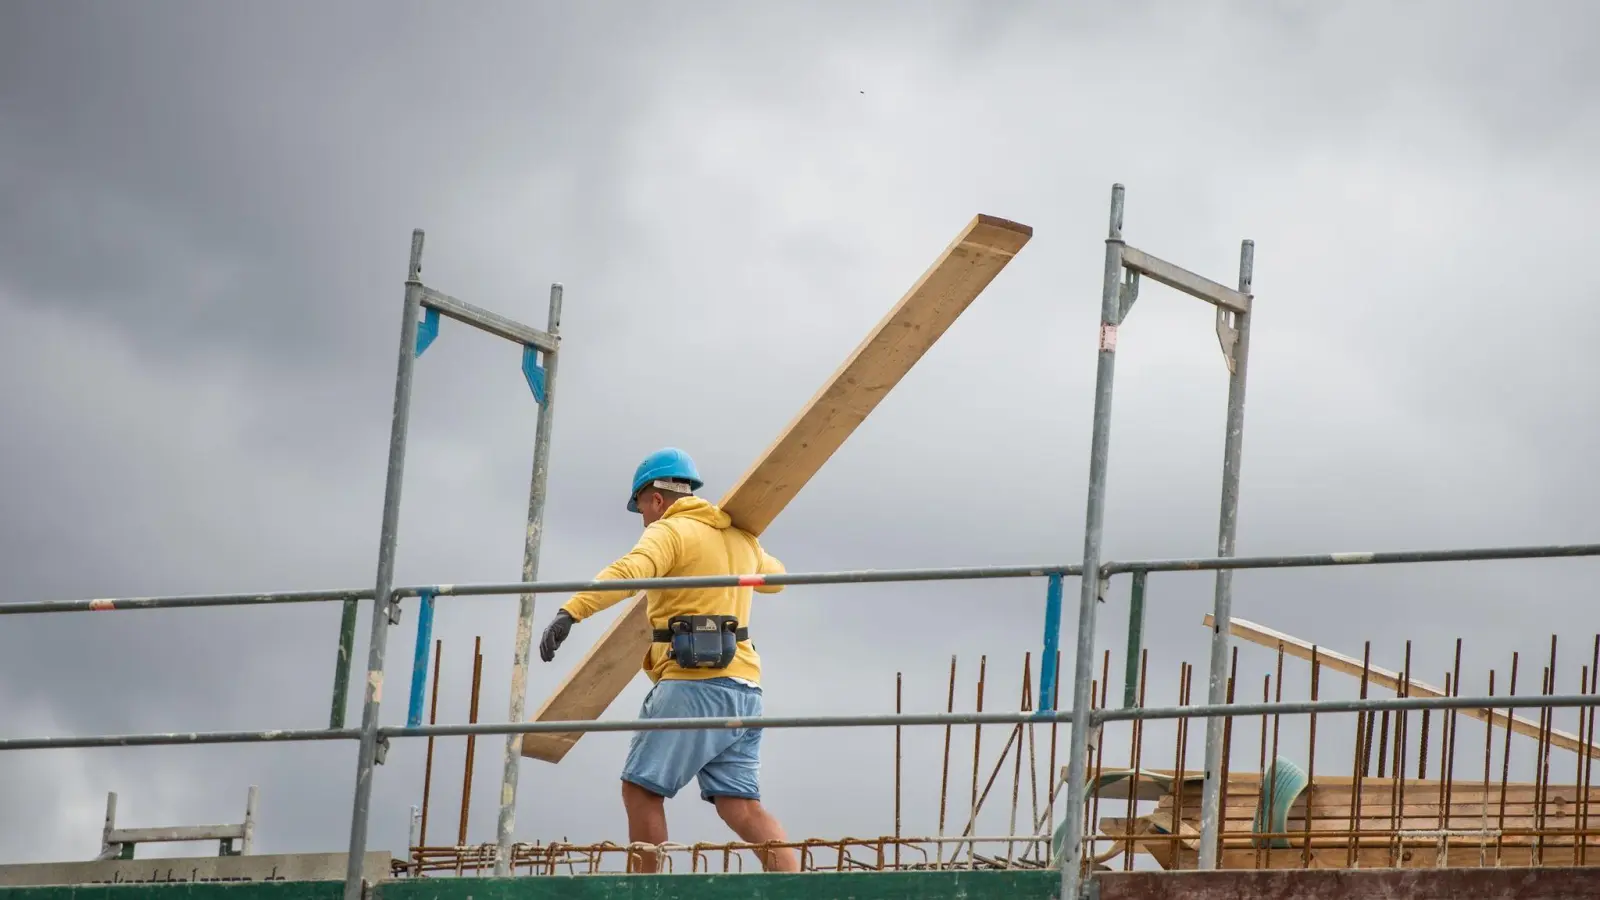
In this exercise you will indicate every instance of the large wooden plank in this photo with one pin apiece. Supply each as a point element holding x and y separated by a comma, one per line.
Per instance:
<point>884,357</point>
<point>1293,646</point>
<point>954,280</point>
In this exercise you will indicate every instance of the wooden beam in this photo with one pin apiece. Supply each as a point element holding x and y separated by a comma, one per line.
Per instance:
<point>1293,646</point>
<point>967,266</point>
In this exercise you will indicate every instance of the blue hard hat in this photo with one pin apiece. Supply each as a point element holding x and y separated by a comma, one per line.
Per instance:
<point>668,462</point>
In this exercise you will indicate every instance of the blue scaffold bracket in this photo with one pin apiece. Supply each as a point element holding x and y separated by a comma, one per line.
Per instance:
<point>427,329</point>
<point>419,664</point>
<point>534,372</point>
<point>1052,640</point>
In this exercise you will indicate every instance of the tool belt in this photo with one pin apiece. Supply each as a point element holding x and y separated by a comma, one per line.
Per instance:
<point>702,642</point>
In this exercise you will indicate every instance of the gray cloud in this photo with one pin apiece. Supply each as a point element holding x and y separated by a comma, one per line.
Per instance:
<point>200,264</point>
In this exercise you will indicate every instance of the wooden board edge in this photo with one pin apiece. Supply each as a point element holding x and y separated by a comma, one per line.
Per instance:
<point>989,234</point>
<point>994,234</point>
<point>553,746</point>
<point>1263,636</point>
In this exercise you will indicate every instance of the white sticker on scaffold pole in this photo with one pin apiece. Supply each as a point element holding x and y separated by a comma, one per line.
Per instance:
<point>1108,337</point>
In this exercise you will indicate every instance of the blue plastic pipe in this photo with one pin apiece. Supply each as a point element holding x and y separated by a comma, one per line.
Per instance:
<point>1052,639</point>
<point>419,664</point>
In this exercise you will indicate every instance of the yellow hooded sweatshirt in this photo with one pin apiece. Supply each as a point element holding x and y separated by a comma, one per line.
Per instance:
<point>693,537</point>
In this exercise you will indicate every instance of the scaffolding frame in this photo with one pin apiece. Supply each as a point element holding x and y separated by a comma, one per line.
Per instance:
<point>1124,267</point>
<point>120,843</point>
<point>419,327</point>
<point>1123,270</point>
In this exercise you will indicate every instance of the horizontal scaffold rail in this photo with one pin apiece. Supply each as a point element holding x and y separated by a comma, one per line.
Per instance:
<point>1096,717</point>
<point>34,607</point>
<point>858,576</point>
<point>1361,558</point>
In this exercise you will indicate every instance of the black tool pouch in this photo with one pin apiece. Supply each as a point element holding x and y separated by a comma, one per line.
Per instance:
<point>702,642</point>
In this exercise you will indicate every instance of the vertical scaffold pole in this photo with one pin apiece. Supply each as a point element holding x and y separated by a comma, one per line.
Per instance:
<point>530,572</point>
<point>341,664</point>
<point>1111,311</point>
<point>1130,672</point>
<point>381,601</point>
<point>1235,339</point>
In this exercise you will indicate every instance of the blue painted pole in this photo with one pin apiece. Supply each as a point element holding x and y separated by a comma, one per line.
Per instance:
<point>1052,639</point>
<point>419,664</point>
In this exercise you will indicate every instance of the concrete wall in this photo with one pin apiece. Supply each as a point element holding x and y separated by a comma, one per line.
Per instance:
<point>169,870</point>
<point>249,890</point>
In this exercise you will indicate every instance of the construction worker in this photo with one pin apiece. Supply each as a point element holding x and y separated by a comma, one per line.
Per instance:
<point>701,661</point>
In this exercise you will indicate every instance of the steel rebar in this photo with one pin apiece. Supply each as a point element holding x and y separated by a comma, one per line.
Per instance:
<point>1453,719</point>
<point>898,696</point>
<point>944,783</point>
<point>1181,744</point>
<point>1097,693</point>
<point>1586,772</point>
<point>1488,754</point>
<point>433,719</point>
<point>472,740</point>
<point>1135,758</point>
<point>1402,731</point>
<point>994,774</point>
<point>977,737</point>
<point>1261,764</point>
<point>1227,736</point>
<point>1505,756</point>
<point>1362,765</point>
<point>1026,704</point>
<point>1055,777</point>
<point>1311,755</point>
<point>1271,791</point>
<point>1033,770</point>
<point>1545,747</point>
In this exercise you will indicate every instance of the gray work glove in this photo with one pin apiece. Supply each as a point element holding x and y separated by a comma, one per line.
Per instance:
<point>554,634</point>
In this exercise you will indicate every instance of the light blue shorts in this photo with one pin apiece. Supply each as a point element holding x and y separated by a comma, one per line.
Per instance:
<point>726,760</point>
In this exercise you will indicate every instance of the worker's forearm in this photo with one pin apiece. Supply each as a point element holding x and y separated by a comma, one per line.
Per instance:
<point>582,606</point>
<point>640,562</point>
<point>770,565</point>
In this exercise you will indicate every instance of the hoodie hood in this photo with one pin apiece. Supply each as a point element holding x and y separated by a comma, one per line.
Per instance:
<point>700,510</point>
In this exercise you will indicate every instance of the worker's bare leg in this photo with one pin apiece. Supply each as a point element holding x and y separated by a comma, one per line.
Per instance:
<point>647,823</point>
<point>754,825</point>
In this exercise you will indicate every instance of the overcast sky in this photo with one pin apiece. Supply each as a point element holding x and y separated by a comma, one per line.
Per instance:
<point>205,212</point>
